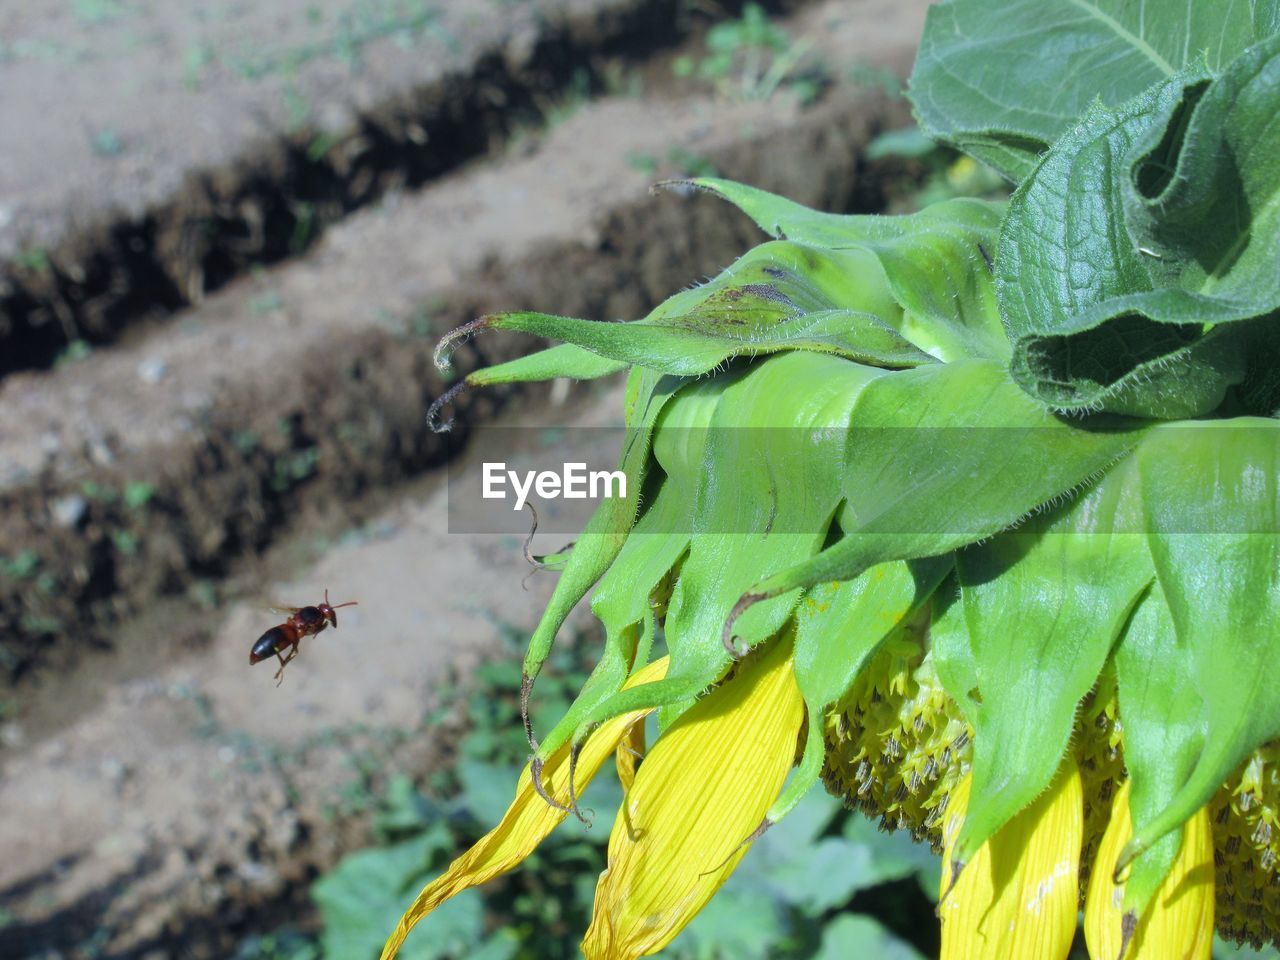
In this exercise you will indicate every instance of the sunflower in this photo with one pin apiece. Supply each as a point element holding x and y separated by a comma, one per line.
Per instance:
<point>1032,701</point>
<point>968,515</point>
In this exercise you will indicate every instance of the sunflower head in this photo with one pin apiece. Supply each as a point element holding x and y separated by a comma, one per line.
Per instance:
<point>969,514</point>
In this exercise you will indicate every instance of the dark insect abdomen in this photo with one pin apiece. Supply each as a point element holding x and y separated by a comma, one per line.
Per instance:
<point>268,644</point>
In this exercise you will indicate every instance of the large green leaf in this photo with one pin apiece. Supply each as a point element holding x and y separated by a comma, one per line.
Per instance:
<point>1212,499</point>
<point>942,456</point>
<point>1004,80</point>
<point>647,394</point>
<point>1133,254</point>
<point>750,470</point>
<point>1163,727</point>
<point>652,548</point>
<point>363,897</point>
<point>1043,605</point>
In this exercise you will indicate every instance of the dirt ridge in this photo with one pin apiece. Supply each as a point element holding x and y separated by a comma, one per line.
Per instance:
<point>164,799</point>
<point>76,275</point>
<point>118,491</point>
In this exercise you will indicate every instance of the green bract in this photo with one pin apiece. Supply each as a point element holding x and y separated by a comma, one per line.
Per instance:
<point>1044,433</point>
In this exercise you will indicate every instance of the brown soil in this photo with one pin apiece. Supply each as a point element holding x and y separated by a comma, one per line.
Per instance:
<point>158,798</point>
<point>168,147</point>
<point>191,795</point>
<point>143,470</point>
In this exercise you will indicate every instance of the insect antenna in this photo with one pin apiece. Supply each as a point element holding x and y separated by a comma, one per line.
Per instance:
<point>339,606</point>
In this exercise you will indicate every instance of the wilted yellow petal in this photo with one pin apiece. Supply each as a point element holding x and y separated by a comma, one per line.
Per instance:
<point>1018,896</point>
<point>630,753</point>
<point>703,789</point>
<point>1178,924</point>
<point>527,821</point>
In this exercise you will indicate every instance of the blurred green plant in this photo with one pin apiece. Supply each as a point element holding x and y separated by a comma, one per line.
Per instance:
<point>751,58</point>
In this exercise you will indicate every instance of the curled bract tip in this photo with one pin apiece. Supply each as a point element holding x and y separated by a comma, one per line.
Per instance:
<point>433,413</point>
<point>1131,852</point>
<point>1128,927</point>
<point>443,354</point>
<point>765,825</point>
<point>957,868</point>
<point>583,818</point>
<point>676,183</point>
<point>528,542</point>
<point>535,775</point>
<point>745,602</point>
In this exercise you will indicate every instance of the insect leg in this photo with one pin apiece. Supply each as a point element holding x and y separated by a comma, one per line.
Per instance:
<point>284,662</point>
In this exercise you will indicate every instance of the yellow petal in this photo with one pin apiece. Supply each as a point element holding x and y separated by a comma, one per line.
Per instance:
<point>1018,896</point>
<point>704,788</point>
<point>1178,924</point>
<point>527,821</point>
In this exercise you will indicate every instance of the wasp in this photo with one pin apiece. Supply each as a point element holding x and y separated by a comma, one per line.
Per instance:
<point>302,622</point>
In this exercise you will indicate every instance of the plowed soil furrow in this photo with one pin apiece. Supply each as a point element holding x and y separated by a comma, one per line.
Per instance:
<point>167,148</point>
<point>141,470</point>
<point>160,798</point>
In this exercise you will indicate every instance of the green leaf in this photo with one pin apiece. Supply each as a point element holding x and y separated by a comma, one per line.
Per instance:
<point>647,394</point>
<point>951,650</point>
<point>486,789</point>
<point>751,473</point>
<point>942,456</point>
<point>563,360</point>
<point>777,296</point>
<point>1043,606</point>
<point>932,260</point>
<point>855,935</point>
<point>1222,950</point>
<point>746,319</point>
<point>1163,728</point>
<point>1213,507</point>
<point>840,626</point>
<point>364,896</point>
<point>1133,254</point>
<point>744,922</point>
<point>1003,81</point>
<point>653,546</point>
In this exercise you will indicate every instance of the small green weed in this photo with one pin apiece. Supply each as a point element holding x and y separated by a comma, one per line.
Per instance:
<point>876,78</point>
<point>751,58</point>
<point>690,164</point>
<point>73,352</point>
<point>21,565</point>
<point>245,441</point>
<point>266,302</point>
<point>99,492</point>
<point>107,143</point>
<point>401,21</point>
<point>138,493</point>
<point>39,623</point>
<point>125,541</point>
<point>33,260</point>
<point>98,11</point>
<point>292,468</point>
